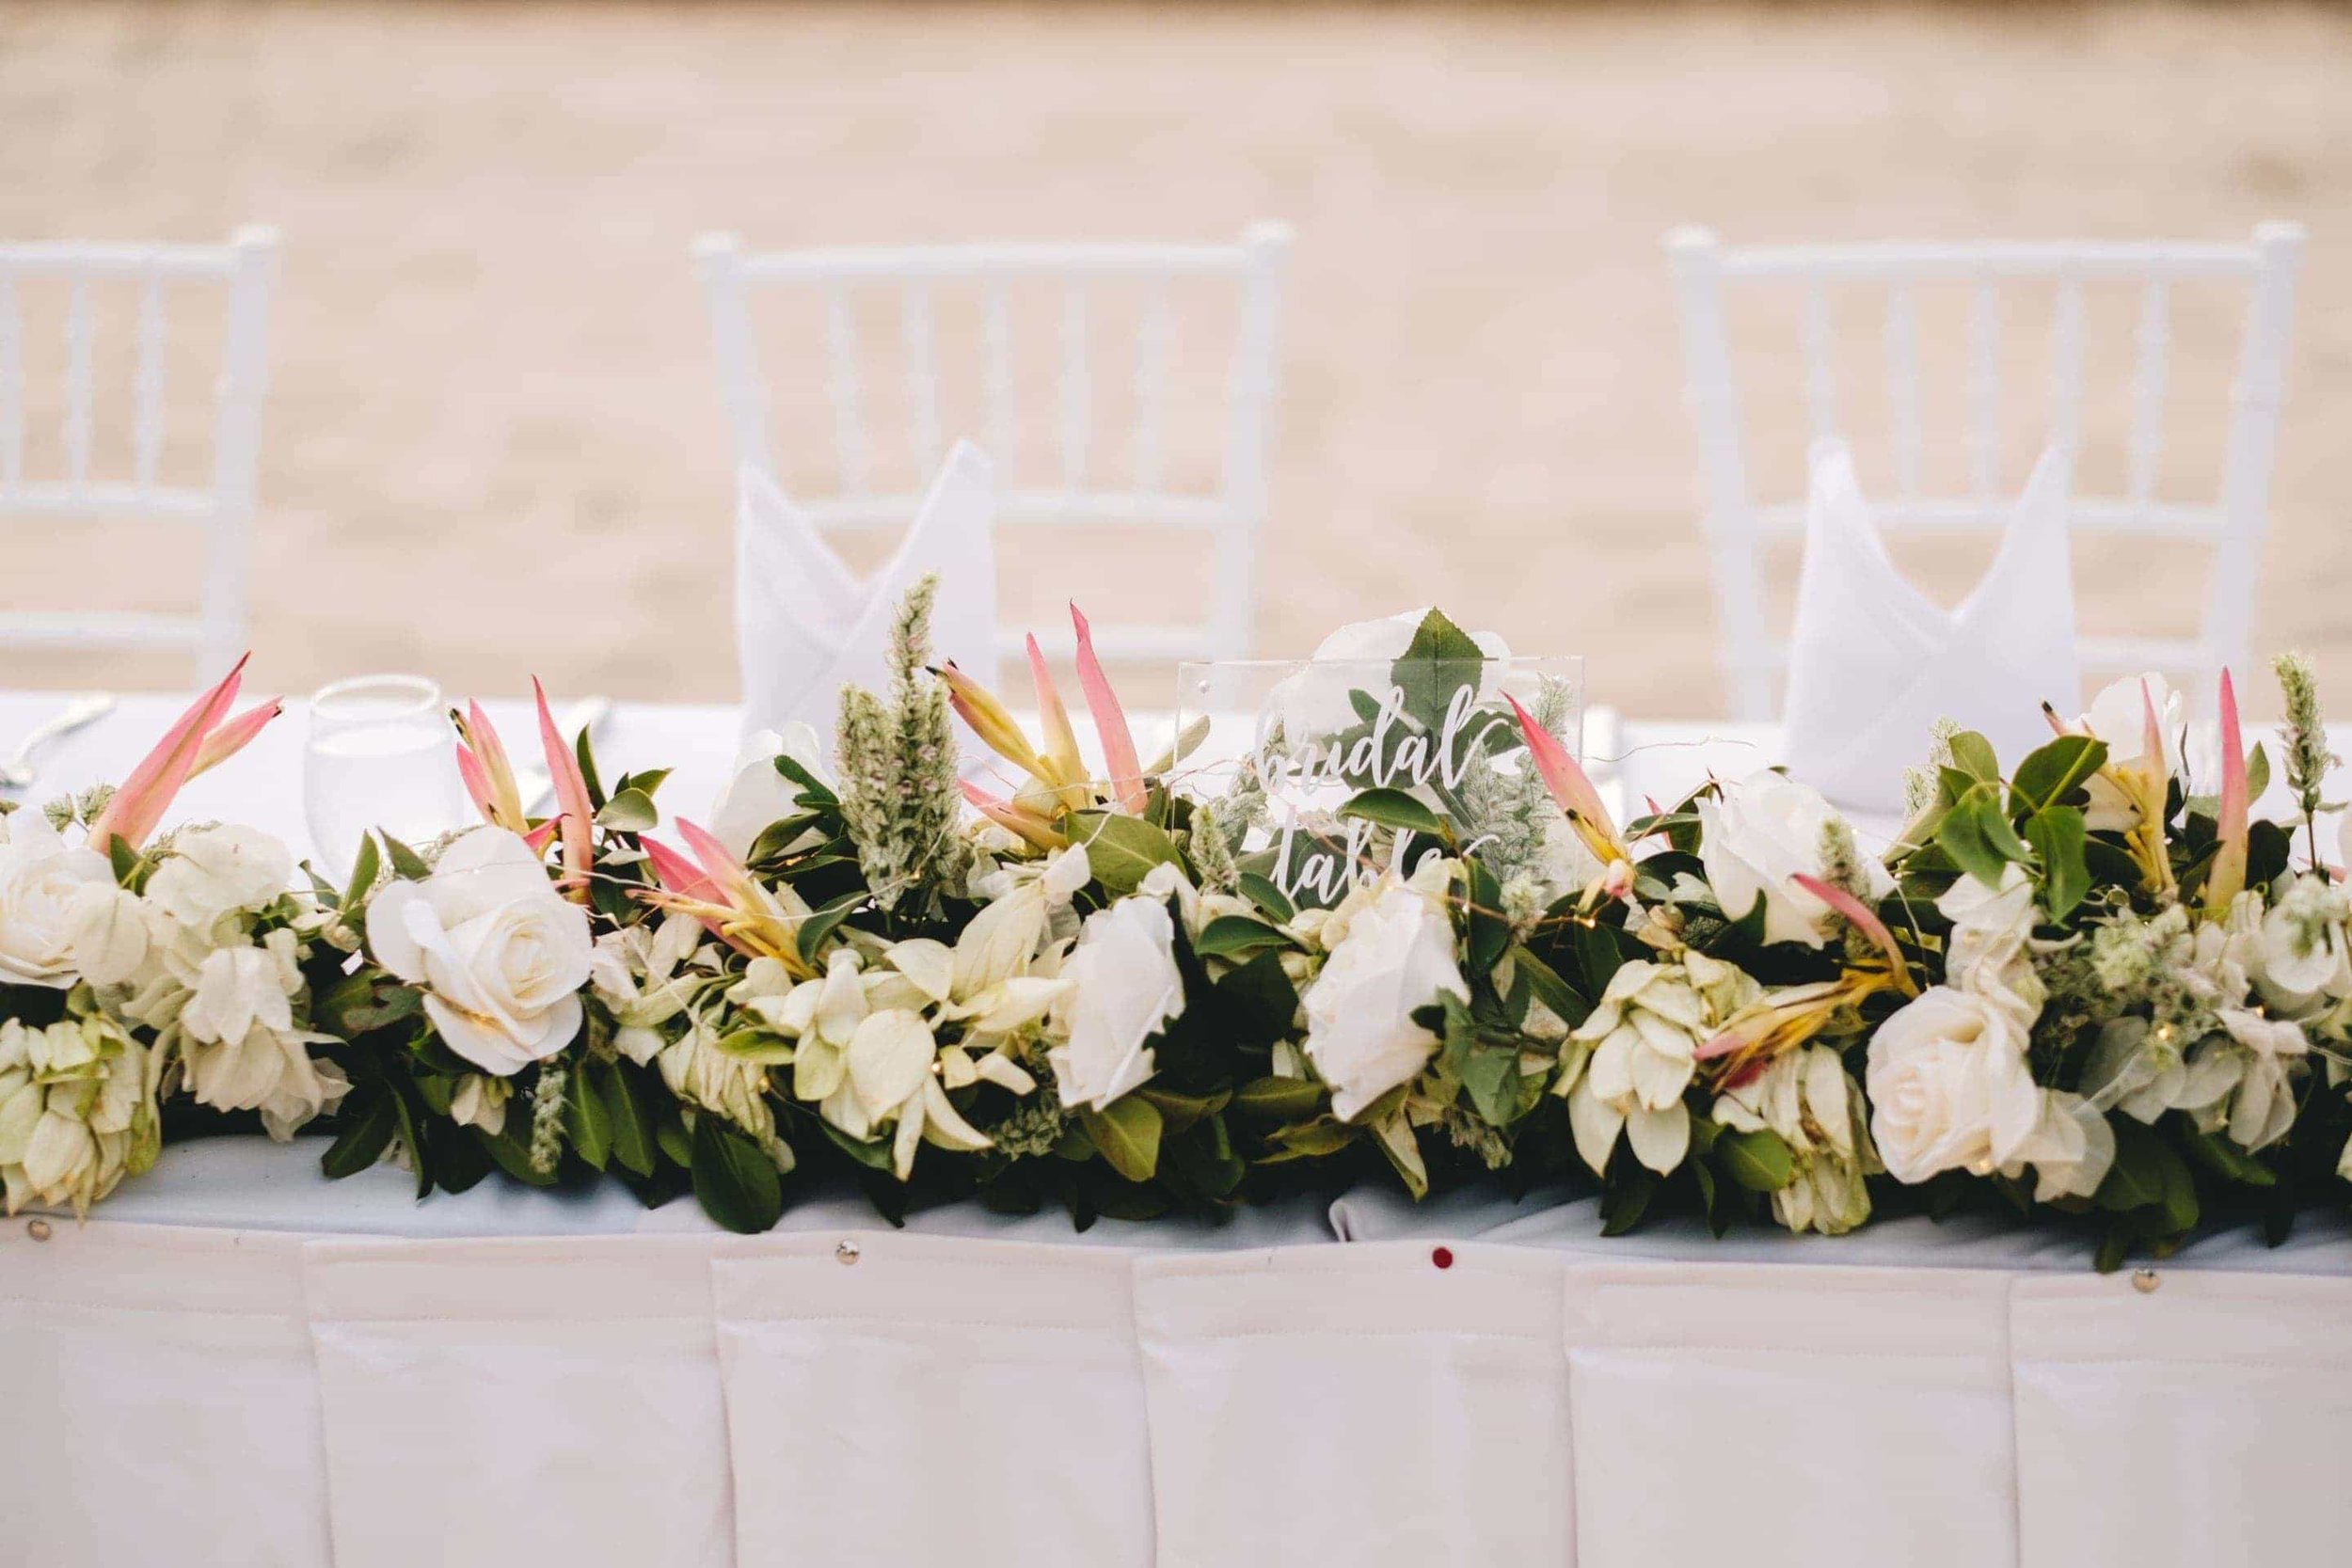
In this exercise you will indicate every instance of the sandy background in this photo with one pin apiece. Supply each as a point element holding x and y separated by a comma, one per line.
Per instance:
<point>494,444</point>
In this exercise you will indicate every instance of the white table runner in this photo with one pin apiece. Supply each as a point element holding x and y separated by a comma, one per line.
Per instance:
<point>240,1361</point>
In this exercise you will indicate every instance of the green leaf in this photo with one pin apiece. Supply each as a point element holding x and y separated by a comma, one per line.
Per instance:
<point>1120,850</point>
<point>813,791</point>
<point>2257,773</point>
<point>1237,936</point>
<point>1976,832</point>
<point>821,924</point>
<point>1393,808</point>
<point>1627,1199</point>
<point>2225,1159</point>
<point>629,811</point>
<point>1489,930</point>
<point>1179,1111</point>
<point>1971,753</point>
<point>123,858</point>
<point>632,1120</point>
<point>1280,1099</point>
<point>2058,836</point>
<point>588,1120</point>
<point>406,862</point>
<point>2055,771</point>
<point>364,873</point>
<point>364,1137</point>
<point>1263,893</point>
<point>2135,1179</point>
<point>1441,659</point>
<point>755,1043</point>
<point>875,1155</point>
<point>735,1181</point>
<point>1127,1134</point>
<point>587,755</point>
<point>1758,1161</point>
<point>1307,1140</point>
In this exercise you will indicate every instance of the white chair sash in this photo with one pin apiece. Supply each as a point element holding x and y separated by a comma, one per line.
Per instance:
<point>805,625</point>
<point>1874,662</point>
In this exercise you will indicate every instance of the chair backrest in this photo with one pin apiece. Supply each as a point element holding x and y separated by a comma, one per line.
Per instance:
<point>82,485</point>
<point>1080,488</point>
<point>2232,523</point>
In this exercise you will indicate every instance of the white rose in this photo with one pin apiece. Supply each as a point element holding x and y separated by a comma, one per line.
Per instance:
<point>501,956</point>
<point>243,1052</point>
<point>215,871</point>
<point>1397,956</point>
<point>1312,703</point>
<point>42,885</point>
<point>1948,1087</point>
<point>756,795</point>
<point>1764,831</point>
<point>1126,988</point>
<point>2119,716</point>
<point>1986,954</point>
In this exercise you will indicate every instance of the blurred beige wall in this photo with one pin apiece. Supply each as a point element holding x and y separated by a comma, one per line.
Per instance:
<point>494,445</point>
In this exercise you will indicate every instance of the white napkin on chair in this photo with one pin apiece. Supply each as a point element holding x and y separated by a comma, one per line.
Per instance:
<point>805,625</point>
<point>1873,662</point>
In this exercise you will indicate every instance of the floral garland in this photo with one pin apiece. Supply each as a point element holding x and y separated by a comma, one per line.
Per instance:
<point>2080,987</point>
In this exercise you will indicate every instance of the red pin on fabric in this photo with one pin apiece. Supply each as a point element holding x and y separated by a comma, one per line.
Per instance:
<point>1442,1256</point>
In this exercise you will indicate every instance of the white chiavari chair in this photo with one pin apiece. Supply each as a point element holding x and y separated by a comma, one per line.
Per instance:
<point>2232,523</point>
<point>82,486</point>
<point>1081,486</point>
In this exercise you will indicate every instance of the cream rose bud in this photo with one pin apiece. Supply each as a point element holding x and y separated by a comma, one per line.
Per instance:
<point>215,871</point>
<point>500,955</point>
<point>756,795</point>
<point>1762,831</point>
<point>1124,989</point>
<point>43,881</point>
<point>1948,1087</point>
<point>1311,703</point>
<point>2119,716</point>
<point>1396,957</point>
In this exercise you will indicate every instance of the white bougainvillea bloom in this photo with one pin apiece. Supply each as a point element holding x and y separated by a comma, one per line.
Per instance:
<point>44,883</point>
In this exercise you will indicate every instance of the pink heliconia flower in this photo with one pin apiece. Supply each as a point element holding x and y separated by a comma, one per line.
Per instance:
<point>1032,828</point>
<point>1572,788</point>
<point>712,885</point>
<point>1864,920</point>
<point>1110,722</point>
<point>2227,879</point>
<point>202,737</point>
<point>577,818</point>
<point>489,777</point>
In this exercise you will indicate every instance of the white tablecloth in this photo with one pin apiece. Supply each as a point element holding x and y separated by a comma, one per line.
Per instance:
<point>239,1362</point>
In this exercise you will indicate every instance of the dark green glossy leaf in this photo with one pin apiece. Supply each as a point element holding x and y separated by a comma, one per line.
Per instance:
<point>1393,808</point>
<point>735,1181</point>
